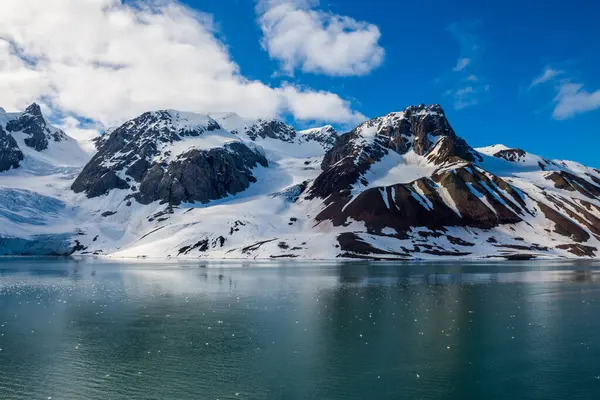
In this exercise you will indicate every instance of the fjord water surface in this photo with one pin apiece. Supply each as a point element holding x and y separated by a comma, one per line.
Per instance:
<point>85,329</point>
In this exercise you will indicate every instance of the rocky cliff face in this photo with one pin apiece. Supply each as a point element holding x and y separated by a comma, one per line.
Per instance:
<point>201,175</point>
<point>10,154</point>
<point>139,155</point>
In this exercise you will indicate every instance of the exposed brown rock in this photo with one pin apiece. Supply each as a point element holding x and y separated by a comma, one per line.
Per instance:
<point>579,249</point>
<point>563,225</point>
<point>352,244</point>
<point>567,181</point>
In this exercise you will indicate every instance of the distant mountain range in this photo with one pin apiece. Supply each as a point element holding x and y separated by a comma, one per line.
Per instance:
<point>178,184</point>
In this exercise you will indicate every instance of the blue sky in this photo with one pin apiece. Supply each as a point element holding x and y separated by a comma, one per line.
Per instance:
<point>523,73</point>
<point>423,41</point>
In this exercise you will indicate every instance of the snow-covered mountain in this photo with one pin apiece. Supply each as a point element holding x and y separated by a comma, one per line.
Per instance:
<point>180,184</point>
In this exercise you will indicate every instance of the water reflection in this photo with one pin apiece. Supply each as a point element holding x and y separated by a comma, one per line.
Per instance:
<point>103,329</point>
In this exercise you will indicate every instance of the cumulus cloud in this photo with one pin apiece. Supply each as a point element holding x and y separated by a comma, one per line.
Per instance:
<point>304,38</point>
<point>573,99</point>
<point>109,60</point>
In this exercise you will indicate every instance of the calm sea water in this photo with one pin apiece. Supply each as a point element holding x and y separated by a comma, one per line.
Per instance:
<point>108,330</point>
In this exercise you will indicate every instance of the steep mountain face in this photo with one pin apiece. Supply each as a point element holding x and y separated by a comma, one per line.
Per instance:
<point>10,154</point>
<point>401,186</point>
<point>151,157</point>
<point>201,175</point>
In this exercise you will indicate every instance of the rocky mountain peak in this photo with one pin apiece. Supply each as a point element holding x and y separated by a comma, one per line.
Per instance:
<point>415,128</point>
<point>38,131</point>
<point>271,128</point>
<point>174,156</point>
<point>325,135</point>
<point>34,110</point>
<point>421,109</point>
<point>422,130</point>
<point>165,126</point>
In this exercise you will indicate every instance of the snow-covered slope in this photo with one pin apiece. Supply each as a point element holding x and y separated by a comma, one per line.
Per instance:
<point>178,184</point>
<point>37,208</point>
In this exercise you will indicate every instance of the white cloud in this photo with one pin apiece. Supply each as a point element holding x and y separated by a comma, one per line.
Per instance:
<point>572,99</point>
<point>76,129</point>
<point>301,37</point>
<point>547,75</point>
<point>106,61</point>
<point>461,64</point>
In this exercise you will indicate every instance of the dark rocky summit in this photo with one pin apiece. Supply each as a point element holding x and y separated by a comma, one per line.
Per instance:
<point>32,123</point>
<point>423,129</point>
<point>10,154</point>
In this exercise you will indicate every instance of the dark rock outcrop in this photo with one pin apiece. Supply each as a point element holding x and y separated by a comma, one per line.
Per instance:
<point>97,181</point>
<point>563,225</point>
<point>273,129</point>
<point>513,155</point>
<point>130,147</point>
<point>10,154</point>
<point>579,249</point>
<point>201,175</point>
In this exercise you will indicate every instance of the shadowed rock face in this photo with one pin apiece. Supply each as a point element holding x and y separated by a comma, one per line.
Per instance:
<point>130,147</point>
<point>32,123</point>
<point>10,154</point>
<point>201,175</point>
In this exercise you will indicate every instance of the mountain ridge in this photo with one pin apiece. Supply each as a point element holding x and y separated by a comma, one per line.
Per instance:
<point>401,186</point>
